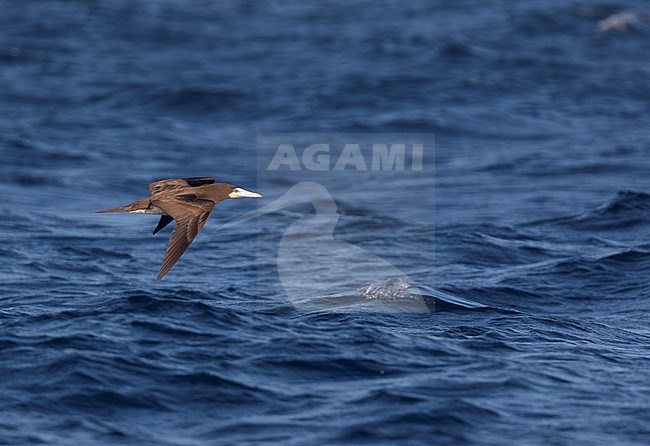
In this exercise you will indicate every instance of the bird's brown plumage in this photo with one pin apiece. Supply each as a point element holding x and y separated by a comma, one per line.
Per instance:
<point>189,201</point>
<point>178,183</point>
<point>190,213</point>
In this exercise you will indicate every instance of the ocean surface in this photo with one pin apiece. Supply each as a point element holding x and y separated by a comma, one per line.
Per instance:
<point>525,237</point>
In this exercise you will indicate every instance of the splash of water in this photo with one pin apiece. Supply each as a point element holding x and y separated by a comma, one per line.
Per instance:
<point>389,289</point>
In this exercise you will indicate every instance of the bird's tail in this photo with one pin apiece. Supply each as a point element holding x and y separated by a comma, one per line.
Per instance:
<point>135,206</point>
<point>126,208</point>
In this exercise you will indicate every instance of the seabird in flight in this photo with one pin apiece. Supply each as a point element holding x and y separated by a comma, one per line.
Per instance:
<point>189,201</point>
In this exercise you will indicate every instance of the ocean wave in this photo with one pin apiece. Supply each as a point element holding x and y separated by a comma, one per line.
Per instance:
<point>627,209</point>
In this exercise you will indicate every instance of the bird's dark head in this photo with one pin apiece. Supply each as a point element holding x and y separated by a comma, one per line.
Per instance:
<point>238,192</point>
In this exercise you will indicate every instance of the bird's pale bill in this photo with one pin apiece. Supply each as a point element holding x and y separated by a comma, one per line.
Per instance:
<point>238,192</point>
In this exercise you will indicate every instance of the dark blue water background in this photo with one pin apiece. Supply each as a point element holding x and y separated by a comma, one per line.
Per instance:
<point>540,114</point>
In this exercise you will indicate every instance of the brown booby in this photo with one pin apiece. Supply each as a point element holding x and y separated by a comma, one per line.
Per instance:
<point>189,201</point>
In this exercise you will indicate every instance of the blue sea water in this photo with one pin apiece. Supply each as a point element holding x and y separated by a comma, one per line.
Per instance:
<point>534,268</point>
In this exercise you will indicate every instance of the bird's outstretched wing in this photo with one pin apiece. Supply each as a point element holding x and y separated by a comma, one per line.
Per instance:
<point>190,213</point>
<point>178,183</point>
<point>164,221</point>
